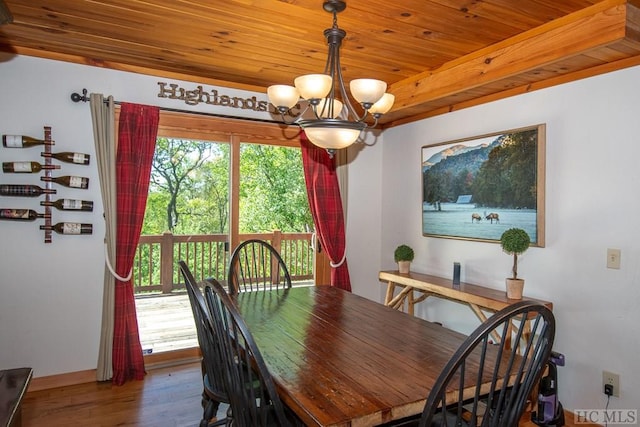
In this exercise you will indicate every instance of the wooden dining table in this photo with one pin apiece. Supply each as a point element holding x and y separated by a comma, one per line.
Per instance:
<point>339,359</point>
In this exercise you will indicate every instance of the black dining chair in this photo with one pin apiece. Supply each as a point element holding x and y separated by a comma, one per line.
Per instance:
<point>256,406</point>
<point>472,391</point>
<point>255,265</point>
<point>212,375</point>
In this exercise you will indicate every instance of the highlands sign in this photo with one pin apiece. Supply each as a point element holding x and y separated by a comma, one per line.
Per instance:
<point>212,97</point>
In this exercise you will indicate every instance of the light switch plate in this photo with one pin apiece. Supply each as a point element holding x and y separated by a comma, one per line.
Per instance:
<point>613,258</point>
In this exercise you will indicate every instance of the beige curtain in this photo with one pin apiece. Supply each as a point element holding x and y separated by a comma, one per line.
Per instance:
<point>103,116</point>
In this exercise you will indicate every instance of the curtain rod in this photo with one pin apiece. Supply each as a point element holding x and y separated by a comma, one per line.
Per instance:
<point>76,97</point>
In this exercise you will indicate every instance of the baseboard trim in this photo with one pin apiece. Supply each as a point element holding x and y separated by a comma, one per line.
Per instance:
<point>151,361</point>
<point>62,380</point>
<point>172,358</point>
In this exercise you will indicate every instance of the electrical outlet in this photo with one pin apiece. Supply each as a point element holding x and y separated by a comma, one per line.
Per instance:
<point>613,380</point>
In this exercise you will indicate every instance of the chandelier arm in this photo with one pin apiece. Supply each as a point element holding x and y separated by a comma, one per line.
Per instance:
<point>330,66</point>
<point>361,118</point>
<point>296,118</point>
<point>343,91</point>
<point>369,126</point>
<point>362,141</point>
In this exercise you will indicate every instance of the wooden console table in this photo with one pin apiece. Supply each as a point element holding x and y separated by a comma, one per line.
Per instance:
<point>13,386</point>
<point>478,298</point>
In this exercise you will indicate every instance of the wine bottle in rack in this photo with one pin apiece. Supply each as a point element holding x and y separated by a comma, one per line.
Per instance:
<point>24,190</point>
<point>68,181</point>
<point>25,167</point>
<point>69,157</point>
<point>69,228</point>
<point>70,205</point>
<point>21,141</point>
<point>20,214</point>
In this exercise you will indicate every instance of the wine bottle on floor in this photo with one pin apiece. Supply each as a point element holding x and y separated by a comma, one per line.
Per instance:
<point>69,157</point>
<point>70,205</point>
<point>21,141</point>
<point>69,228</point>
<point>24,190</point>
<point>25,167</point>
<point>20,214</point>
<point>68,181</point>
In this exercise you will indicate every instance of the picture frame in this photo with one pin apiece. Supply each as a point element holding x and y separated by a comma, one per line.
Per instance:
<point>476,188</point>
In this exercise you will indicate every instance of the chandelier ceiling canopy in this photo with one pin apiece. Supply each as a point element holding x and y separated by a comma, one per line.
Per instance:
<point>333,122</point>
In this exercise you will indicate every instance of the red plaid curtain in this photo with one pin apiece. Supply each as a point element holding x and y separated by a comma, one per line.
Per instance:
<point>326,208</point>
<point>138,128</point>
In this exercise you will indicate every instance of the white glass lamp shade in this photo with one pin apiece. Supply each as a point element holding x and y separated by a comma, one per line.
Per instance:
<point>332,138</point>
<point>283,95</point>
<point>367,91</point>
<point>383,105</point>
<point>313,86</point>
<point>324,111</point>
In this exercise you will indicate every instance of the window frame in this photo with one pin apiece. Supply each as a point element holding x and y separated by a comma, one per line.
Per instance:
<point>205,127</point>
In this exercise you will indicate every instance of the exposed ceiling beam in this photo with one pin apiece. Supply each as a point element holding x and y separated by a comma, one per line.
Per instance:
<point>614,23</point>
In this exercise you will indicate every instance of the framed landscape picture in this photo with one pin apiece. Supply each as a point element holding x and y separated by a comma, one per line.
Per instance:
<point>476,188</point>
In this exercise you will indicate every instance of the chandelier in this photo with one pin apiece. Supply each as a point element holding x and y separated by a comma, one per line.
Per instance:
<point>334,122</point>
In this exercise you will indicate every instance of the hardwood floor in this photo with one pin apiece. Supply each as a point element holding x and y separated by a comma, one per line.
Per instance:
<point>168,397</point>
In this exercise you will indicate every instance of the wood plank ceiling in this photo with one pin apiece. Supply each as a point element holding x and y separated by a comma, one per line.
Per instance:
<point>436,55</point>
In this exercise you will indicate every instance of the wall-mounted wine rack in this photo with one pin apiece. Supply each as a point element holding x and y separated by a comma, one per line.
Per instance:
<point>48,185</point>
<point>18,141</point>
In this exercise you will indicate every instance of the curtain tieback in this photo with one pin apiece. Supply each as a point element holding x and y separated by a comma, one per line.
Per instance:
<point>314,249</point>
<point>111,269</point>
<point>344,256</point>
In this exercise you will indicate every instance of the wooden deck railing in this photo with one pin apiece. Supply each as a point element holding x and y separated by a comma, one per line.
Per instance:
<point>155,267</point>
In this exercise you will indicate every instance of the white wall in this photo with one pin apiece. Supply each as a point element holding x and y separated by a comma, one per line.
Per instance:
<point>50,294</point>
<point>364,218</point>
<point>592,204</point>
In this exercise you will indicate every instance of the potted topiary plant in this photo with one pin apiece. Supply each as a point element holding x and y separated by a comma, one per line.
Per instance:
<point>515,241</point>
<point>403,255</point>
